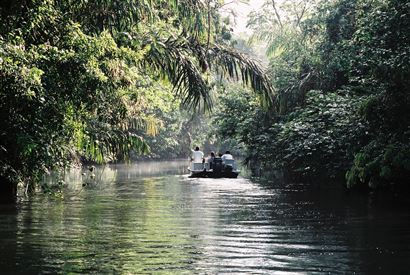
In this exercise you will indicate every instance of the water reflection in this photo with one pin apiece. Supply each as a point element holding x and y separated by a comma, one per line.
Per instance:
<point>151,218</point>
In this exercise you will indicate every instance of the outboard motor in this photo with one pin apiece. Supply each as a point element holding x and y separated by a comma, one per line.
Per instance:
<point>228,168</point>
<point>217,165</point>
<point>229,164</point>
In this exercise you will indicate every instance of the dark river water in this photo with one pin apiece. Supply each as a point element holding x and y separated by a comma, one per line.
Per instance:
<point>150,218</point>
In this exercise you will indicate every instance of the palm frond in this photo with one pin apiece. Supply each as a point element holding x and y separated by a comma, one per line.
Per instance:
<point>183,62</point>
<point>102,142</point>
<point>147,123</point>
<point>123,15</point>
<point>176,62</point>
<point>233,64</point>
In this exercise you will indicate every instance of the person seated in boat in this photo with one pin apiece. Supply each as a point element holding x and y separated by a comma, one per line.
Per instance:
<point>217,165</point>
<point>197,156</point>
<point>210,160</point>
<point>227,155</point>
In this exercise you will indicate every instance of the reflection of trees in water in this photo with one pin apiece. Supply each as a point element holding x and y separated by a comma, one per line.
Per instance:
<point>126,226</point>
<point>134,224</point>
<point>8,237</point>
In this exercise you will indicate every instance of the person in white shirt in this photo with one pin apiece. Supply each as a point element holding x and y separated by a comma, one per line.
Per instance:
<point>197,156</point>
<point>227,155</point>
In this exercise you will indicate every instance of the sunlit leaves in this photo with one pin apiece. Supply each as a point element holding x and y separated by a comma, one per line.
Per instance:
<point>184,62</point>
<point>56,98</point>
<point>89,78</point>
<point>356,53</point>
<point>123,15</point>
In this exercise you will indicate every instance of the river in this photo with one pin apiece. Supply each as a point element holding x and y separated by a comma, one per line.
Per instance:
<point>150,218</point>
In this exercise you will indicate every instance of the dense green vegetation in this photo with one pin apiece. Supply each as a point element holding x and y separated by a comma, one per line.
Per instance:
<point>342,72</point>
<point>109,80</point>
<point>91,79</point>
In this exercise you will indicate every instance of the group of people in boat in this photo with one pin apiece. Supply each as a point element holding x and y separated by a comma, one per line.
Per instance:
<point>198,156</point>
<point>214,166</point>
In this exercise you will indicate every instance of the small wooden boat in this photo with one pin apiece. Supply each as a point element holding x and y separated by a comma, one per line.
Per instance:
<point>215,169</point>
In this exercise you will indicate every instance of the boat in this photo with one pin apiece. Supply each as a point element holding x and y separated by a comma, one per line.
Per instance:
<point>215,169</point>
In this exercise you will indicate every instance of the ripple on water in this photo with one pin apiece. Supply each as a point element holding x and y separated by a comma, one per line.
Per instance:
<point>137,219</point>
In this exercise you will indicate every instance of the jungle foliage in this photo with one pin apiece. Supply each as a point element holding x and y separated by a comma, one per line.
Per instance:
<point>342,74</point>
<point>94,79</point>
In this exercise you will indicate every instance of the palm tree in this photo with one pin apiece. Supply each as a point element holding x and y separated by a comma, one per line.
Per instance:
<point>182,58</point>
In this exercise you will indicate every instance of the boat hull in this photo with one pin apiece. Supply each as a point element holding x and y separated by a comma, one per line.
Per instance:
<point>214,169</point>
<point>211,174</point>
